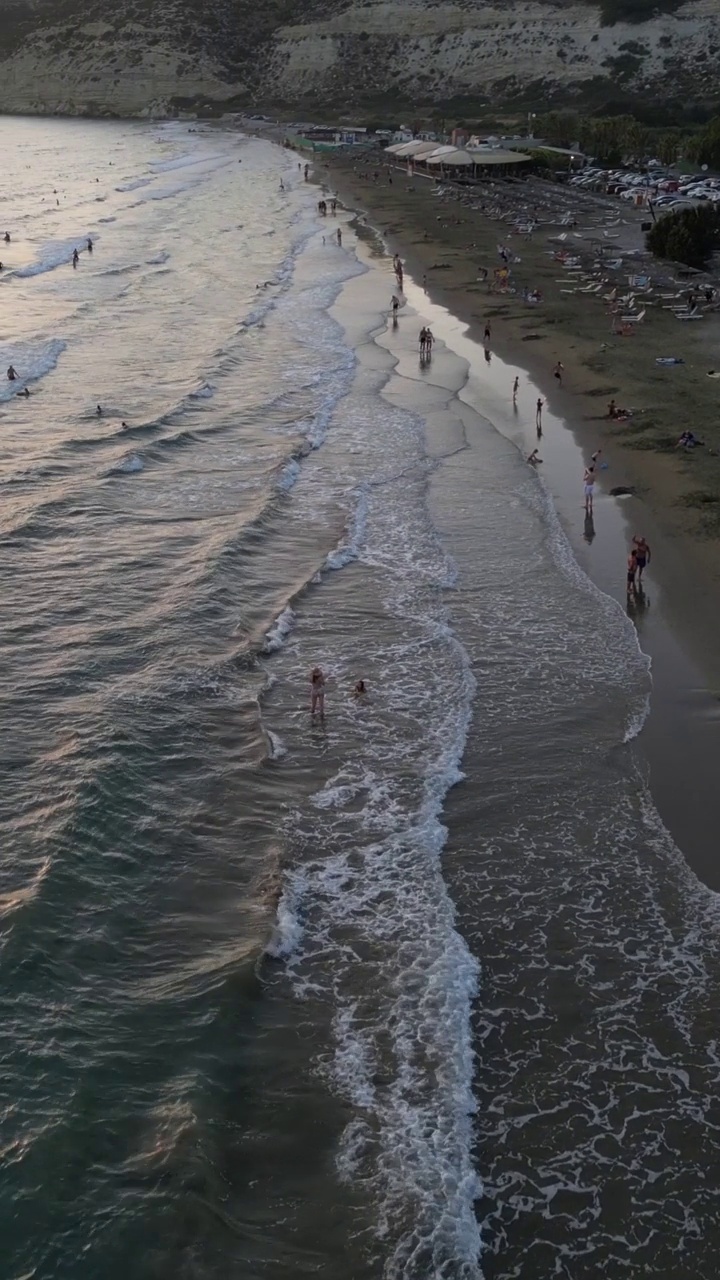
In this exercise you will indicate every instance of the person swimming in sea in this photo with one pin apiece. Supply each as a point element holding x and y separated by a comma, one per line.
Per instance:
<point>89,245</point>
<point>98,410</point>
<point>360,690</point>
<point>6,237</point>
<point>23,395</point>
<point>11,373</point>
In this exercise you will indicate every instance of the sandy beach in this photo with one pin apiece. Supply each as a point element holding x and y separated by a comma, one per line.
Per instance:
<point>449,244</point>
<point>678,619</point>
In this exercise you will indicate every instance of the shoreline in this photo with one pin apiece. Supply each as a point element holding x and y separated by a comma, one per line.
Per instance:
<point>668,486</point>
<point>677,738</point>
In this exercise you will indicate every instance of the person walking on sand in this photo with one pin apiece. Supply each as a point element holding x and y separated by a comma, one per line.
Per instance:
<point>395,305</point>
<point>558,373</point>
<point>486,335</point>
<point>516,385</point>
<point>317,692</point>
<point>538,416</point>
<point>631,571</point>
<point>589,489</point>
<point>642,554</point>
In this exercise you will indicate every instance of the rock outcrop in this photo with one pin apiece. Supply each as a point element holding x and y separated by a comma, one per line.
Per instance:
<point>129,59</point>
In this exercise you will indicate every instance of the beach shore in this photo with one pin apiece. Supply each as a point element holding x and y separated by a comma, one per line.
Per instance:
<point>677,618</point>
<point>446,246</point>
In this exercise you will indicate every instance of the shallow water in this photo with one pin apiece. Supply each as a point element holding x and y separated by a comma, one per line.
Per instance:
<point>422,990</point>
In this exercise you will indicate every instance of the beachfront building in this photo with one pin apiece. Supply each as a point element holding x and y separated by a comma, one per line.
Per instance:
<point>467,162</point>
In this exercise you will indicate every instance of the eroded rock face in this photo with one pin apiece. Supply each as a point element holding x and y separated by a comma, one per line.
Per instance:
<point>130,58</point>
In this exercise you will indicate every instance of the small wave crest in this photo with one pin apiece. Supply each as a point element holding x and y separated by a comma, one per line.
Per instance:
<point>31,361</point>
<point>278,633</point>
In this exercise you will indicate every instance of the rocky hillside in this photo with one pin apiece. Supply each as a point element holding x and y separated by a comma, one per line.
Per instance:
<point>133,58</point>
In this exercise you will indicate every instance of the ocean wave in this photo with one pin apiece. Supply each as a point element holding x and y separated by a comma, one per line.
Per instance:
<point>31,361</point>
<point>349,548</point>
<point>54,254</point>
<point>128,465</point>
<point>134,184</point>
<point>278,633</point>
<point>159,258</point>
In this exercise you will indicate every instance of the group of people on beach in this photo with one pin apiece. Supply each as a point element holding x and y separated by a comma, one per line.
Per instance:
<point>318,684</point>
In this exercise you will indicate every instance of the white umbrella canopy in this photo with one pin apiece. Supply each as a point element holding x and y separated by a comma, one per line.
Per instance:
<point>418,148</point>
<point>452,157</point>
<point>437,156</point>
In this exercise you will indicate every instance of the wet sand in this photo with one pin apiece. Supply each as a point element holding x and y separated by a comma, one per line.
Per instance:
<point>679,492</point>
<point>676,747</point>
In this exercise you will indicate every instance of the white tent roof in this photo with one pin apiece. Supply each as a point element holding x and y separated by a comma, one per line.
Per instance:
<point>419,148</point>
<point>435,156</point>
<point>450,156</point>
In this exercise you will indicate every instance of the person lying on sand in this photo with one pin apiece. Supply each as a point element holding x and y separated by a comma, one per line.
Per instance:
<point>688,441</point>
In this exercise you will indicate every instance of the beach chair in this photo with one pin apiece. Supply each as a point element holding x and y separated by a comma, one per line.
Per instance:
<point>638,319</point>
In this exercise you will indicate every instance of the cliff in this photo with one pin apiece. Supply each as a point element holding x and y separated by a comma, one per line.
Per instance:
<point>128,59</point>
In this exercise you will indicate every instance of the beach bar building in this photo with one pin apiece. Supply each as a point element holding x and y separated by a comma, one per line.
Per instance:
<point>470,161</point>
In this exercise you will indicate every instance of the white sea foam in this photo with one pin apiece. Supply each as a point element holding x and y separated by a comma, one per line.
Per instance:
<point>31,361</point>
<point>349,548</point>
<point>134,184</point>
<point>128,465</point>
<point>288,475</point>
<point>279,631</point>
<point>159,258</point>
<point>54,254</point>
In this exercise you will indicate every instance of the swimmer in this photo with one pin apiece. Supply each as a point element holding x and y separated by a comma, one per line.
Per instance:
<point>124,425</point>
<point>360,689</point>
<point>317,692</point>
<point>76,257</point>
<point>11,373</point>
<point>533,458</point>
<point>23,395</point>
<point>98,411</point>
<point>89,245</point>
<point>6,237</point>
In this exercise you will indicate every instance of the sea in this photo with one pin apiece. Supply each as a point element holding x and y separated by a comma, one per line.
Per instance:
<point>420,991</point>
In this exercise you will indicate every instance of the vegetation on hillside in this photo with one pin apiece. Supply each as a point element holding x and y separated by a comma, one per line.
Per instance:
<point>690,236</point>
<point>635,11</point>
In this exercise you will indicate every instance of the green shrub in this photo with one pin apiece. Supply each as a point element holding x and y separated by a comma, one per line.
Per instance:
<point>689,236</point>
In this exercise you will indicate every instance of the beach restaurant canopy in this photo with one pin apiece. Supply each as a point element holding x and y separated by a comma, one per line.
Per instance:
<point>450,156</point>
<point>416,148</point>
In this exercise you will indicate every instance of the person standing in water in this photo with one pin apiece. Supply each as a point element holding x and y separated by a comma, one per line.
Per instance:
<point>516,385</point>
<point>6,237</point>
<point>589,489</point>
<point>89,245</point>
<point>642,554</point>
<point>538,416</point>
<point>339,236</point>
<point>631,571</point>
<point>317,692</point>
<point>76,257</point>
